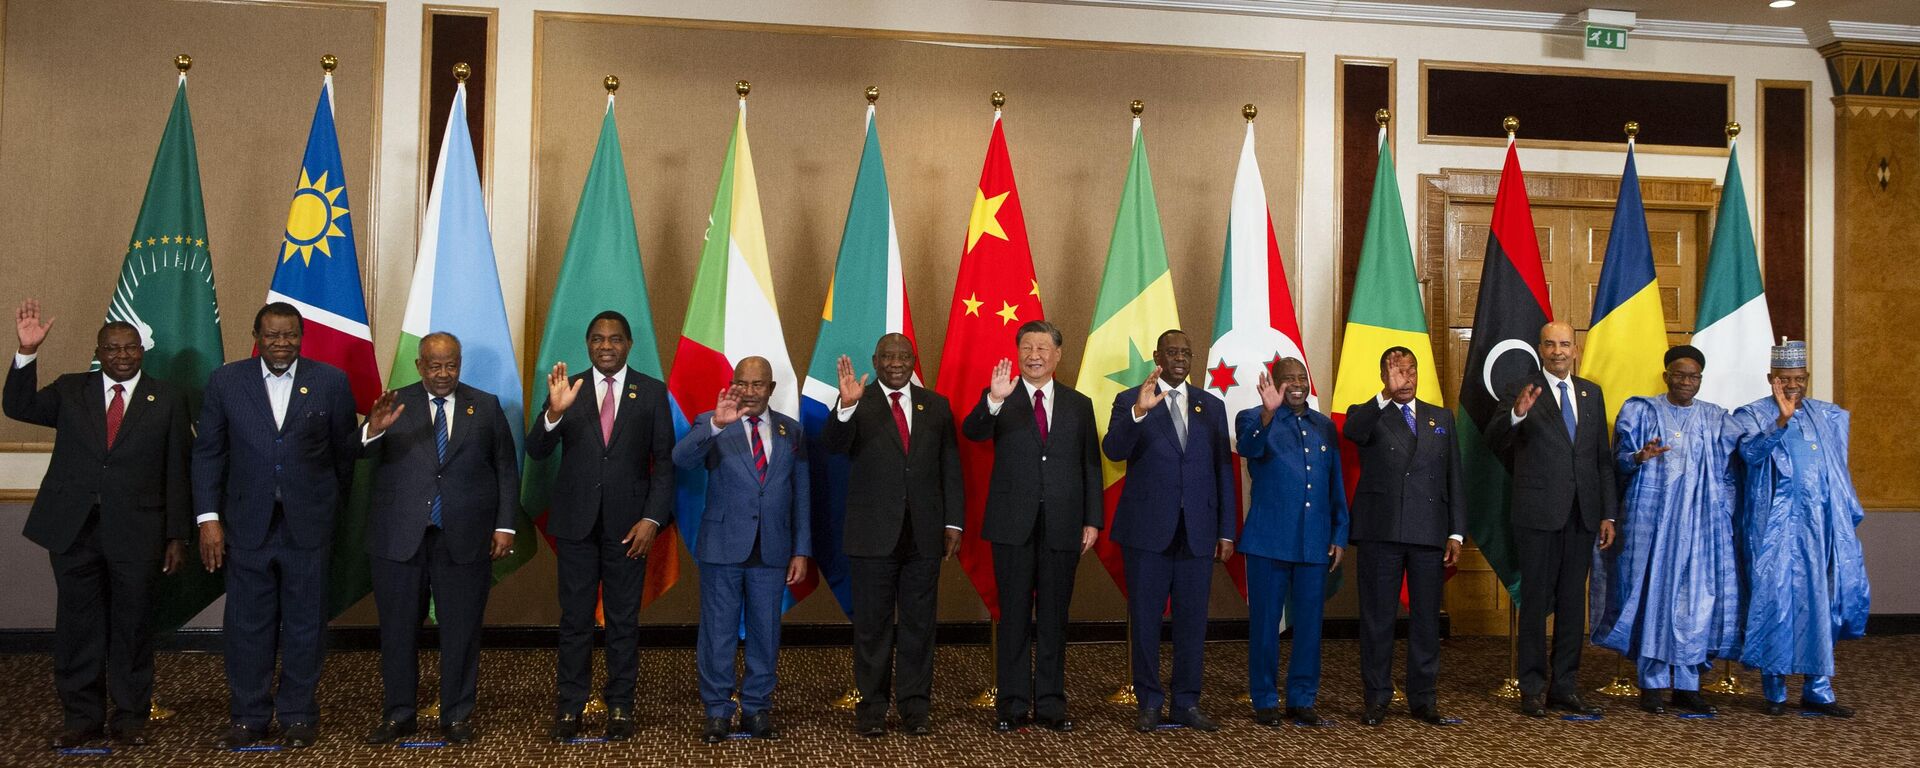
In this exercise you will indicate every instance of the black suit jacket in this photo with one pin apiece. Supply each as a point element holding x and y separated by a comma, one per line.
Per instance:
<point>140,483</point>
<point>243,463</point>
<point>627,479</point>
<point>1063,472</point>
<point>1550,472</point>
<point>886,484</point>
<point>1411,490</point>
<point>478,484</point>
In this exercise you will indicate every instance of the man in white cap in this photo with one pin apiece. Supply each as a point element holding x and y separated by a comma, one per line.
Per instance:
<point>1806,578</point>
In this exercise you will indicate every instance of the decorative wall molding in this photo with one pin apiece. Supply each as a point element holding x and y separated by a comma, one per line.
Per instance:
<point>1835,31</point>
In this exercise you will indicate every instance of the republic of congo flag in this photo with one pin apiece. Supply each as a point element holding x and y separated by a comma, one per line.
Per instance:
<point>1135,305</point>
<point>996,291</point>
<point>1735,330</point>
<point>600,271</point>
<point>1627,338</point>
<point>1513,305</point>
<point>456,289</point>
<point>730,317</point>
<point>1254,325</point>
<point>866,300</point>
<point>166,291</point>
<point>317,270</point>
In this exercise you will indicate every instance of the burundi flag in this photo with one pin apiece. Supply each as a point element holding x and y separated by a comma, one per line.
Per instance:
<point>317,270</point>
<point>1254,325</point>
<point>166,291</point>
<point>1626,341</point>
<point>1135,305</point>
<point>867,300</point>
<point>995,292</point>
<point>1513,305</point>
<point>456,289</point>
<point>730,316</point>
<point>1735,331</point>
<point>600,271</point>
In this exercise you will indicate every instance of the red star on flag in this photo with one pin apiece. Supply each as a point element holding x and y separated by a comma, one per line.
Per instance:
<point>1221,377</point>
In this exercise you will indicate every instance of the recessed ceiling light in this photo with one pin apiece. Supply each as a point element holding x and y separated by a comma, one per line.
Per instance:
<point>1780,4</point>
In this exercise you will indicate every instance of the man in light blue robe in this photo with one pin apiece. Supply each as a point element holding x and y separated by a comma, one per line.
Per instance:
<point>1807,581</point>
<point>1671,594</point>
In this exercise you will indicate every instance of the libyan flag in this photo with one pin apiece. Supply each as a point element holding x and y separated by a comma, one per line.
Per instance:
<point>166,291</point>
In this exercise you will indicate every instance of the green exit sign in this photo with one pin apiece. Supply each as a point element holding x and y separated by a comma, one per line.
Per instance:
<point>1606,38</point>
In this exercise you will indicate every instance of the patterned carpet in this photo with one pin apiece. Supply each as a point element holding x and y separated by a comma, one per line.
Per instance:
<point>516,694</point>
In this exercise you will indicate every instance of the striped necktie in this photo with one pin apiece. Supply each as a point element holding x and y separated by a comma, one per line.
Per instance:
<point>759,449</point>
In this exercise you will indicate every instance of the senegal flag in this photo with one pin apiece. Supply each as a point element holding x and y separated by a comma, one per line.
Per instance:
<point>1135,305</point>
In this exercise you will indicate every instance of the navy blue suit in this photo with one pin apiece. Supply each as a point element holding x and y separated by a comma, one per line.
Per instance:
<point>1176,504</point>
<point>749,530</point>
<point>276,489</point>
<point>1299,510</point>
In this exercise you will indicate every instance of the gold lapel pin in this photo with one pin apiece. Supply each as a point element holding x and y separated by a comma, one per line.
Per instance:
<point>149,398</point>
<point>919,406</point>
<point>632,396</point>
<point>632,386</point>
<point>783,430</point>
<point>303,390</point>
<point>1196,409</point>
<point>469,410</point>
<point>1429,422</point>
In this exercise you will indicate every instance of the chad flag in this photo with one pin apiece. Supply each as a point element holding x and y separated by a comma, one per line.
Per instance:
<point>1627,341</point>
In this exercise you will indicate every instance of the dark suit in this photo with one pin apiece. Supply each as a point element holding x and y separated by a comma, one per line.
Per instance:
<point>1562,489</point>
<point>751,528</point>
<point>104,515</point>
<point>903,500</point>
<point>1409,501</point>
<point>478,485</point>
<point>276,489</point>
<point>1041,494</point>
<point>604,487</point>
<point>1176,504</point>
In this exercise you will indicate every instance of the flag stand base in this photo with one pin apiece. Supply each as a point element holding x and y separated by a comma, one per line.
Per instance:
<point>1620,685</point>
<point>1400,696</point>
<point>1727,684</point>
<point>158,711</point>
<point>431,711</point>
<point>1123,696</point>
<point>985,699</point>
<point>848,700</point>
<point>1509,690</point>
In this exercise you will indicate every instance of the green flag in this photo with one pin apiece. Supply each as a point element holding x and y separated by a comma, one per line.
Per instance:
<point>166,291</point>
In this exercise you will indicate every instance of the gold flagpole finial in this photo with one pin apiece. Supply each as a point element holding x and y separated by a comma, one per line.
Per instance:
<point>1511,124</point>
<point>461,72</point>
<point>873,94</point>
<point>1249,112</point>
<point>999,99</point>
<point>1137,106</point>
<point>183,63</point>
<point>329,63</point>
<point>1633,128</point>
<point>742,87</point>
<point>1382,116</point>
<point>1733,130</point>
<point>611,83</point>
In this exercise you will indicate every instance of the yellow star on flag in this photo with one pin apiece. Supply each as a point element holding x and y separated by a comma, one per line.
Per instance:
<point>983,220</point>
<point>1036,288</point>
<point>973,304</point>
<point>1008,313</point>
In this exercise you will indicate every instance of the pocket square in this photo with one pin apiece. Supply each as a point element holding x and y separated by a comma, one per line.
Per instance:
<point>1439,430</point>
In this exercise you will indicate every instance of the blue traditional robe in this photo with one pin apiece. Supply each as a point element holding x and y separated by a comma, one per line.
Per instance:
<point>1670,586</point>
<point>1807,581</point>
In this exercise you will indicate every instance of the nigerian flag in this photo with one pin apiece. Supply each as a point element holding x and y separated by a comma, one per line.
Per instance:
<point>166,291</point>
<point>1735,331</point>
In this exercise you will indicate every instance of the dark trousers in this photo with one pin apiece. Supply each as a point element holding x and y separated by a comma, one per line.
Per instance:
<point>1153,578</point>
<point>1297,590</point>
<point>1553,580</point>
<point>1034,584</point>
<point>401,589</point>
<point>1381,567</point>
<point>596,572</point>
<point>103,633</point>
<point>276,600</point>
<point>894,661</point>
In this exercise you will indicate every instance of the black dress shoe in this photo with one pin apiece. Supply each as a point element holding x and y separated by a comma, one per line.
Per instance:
<point>716,730</point>
<point>1147,721</point>
<point>238,736</point>
<point>134,735</point>
<point>917,725</point>
<point>389,730</point>
<point>619,724</point>
<point>760,726</point>
<point>565,728</point>
<point>1192,717</point>
<point>1011,724</point>
<point>1061,724</point>
<point>1533,706</point>
<point>1830,709</point>
<point>458,732</point>
<point>1692,701</point>
<point>1428,714</point>
<point>1269,717</point>
<point>1303,715</point>
<point>1651,704</point>
<point>301,735</point>
<point>1776,708</point>
<point>871,729</point>
<point>1575,705</point>
<point>73,737</point>
<point>1374,714</point>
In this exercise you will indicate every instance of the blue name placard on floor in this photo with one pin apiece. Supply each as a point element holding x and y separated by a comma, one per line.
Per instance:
<point>1696,716</point>
<point>422,744</point>
<point>1581,718</point>
<point>85,751</point>
<point>258,748</point>
<point>588,740</point>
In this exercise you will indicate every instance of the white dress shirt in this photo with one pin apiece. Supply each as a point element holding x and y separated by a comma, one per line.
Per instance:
<point>993,406</point>
<point>1387,402</point>
<point>599,395</point>
<point>364,440</point>
<point>1553,390</point>
<point>279,390</point>
<point>1182,389</point>
<point>845,412</point>
<point>20,360</point>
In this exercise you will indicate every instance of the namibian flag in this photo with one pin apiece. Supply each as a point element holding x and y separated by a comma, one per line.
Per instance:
<point>1627,340</point>
<point>1513,305</point>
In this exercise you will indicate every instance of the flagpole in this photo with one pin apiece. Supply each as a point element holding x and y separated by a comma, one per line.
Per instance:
<point>990,696</point>
<point>1124,694</point>
<point>1510,687</point>
<point>1622,684</point>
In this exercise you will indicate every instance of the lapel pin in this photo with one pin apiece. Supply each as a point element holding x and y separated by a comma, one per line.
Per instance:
<point>303,390</point>
<point>1429,422</point>
<point>631,386</point>
<point>1196,409</point>
<point>149,398</point>
<point>783,430</point>
<point>919,406</point>
<point>469,410</point>
<point>1583,393</point>
<point>632,396</point>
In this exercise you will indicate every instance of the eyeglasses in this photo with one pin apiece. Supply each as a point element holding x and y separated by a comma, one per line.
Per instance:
<point>116,350</point>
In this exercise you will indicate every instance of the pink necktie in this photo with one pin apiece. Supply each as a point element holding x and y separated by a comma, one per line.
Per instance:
<point>606,412</point>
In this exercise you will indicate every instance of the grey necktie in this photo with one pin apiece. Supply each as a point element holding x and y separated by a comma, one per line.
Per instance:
<point>1179,416</point>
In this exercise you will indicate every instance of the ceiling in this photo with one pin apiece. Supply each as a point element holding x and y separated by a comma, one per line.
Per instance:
<point>1807,14</point>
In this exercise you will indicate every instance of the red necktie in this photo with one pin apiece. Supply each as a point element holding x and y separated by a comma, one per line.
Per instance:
<point>900,419</point>
<point>759,449</point>
<point>1040,413</point>
<point>116,411</point>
